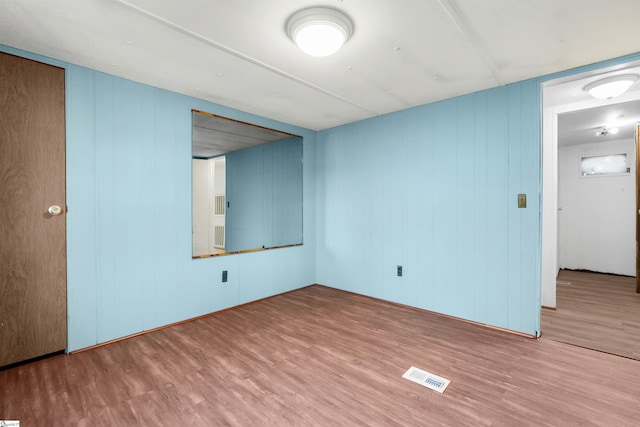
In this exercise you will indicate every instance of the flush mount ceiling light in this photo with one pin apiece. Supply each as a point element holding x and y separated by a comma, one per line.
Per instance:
<point>319,31</point>
<point>604,131</point>
<point>610,87</point>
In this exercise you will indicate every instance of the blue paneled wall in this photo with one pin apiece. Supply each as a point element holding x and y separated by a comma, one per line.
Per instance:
<point>434,189</point>
<point>129,265</point>
<point>129,174</point>
<point>264,196</point>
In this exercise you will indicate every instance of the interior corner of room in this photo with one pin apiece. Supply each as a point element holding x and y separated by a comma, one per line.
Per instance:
<point>164,164</point>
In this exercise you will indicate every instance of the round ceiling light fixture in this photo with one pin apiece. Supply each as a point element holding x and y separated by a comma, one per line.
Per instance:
<point>319,31</point>
<point>610,87</point>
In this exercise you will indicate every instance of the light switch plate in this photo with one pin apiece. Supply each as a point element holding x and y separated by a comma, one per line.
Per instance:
<point>522,200</point>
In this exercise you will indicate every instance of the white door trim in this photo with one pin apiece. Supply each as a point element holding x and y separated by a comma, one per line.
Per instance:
<point>549,268</point>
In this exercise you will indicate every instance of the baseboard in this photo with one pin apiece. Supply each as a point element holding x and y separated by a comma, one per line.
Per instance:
<point>473,322</point>
<point>484,325</point>
<point>170,325</point>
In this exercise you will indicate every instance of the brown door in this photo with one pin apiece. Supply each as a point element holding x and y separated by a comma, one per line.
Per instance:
<point>638,208</point>
<point>33,288</point>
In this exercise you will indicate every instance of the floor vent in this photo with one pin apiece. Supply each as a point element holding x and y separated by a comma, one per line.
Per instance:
<point>562,282</point>
<point>426,379</point>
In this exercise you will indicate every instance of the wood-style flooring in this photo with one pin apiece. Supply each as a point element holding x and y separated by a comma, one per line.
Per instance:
<point>323,357</point>
<point>597,311</point>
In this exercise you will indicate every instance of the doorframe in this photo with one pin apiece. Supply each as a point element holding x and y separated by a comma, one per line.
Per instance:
<point>549,209</point>
<point>637,145</point>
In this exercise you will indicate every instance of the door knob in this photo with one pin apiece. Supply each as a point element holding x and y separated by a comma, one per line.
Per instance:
<point>55,210</point>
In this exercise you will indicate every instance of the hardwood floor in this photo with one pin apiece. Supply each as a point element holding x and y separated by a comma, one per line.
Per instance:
<point>323,357</point>
<point>598,311</point>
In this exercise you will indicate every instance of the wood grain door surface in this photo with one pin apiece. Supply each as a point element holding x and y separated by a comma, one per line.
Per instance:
<point>32,241</point>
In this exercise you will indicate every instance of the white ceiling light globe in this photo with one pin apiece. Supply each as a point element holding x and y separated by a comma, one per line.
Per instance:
<point>319,31</point>
<point>319,38</point>
<point>610,87</point>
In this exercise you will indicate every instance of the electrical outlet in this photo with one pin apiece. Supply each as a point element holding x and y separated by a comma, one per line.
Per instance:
<point>224,276</point>
<point>399,271</point>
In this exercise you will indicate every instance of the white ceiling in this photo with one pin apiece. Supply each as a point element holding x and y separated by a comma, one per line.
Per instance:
<point>581,116</point>
<point>403,53</point>
<point>581,127</point>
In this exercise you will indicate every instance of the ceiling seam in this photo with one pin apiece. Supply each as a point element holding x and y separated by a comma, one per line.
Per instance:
<point>472,37</point>
<point>242,56</point>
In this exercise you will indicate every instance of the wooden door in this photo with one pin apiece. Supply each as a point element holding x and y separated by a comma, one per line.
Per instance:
<point>638,208</point>
<point>32,180</point>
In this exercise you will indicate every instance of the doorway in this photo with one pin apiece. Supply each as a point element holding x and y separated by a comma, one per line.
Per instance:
<point>33,216</point>
<point>566,96</point>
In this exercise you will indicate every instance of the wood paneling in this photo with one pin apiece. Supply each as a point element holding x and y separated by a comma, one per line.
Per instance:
<point>264,196</point>
<point>129,181</point>
<point>598,311</point>
<point>32,178</point>
<point>286,201</point>
<point>318,357</point>
<point>434,189</point>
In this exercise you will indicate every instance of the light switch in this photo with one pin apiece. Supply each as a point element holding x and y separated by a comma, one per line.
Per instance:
<point>522,200</point>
